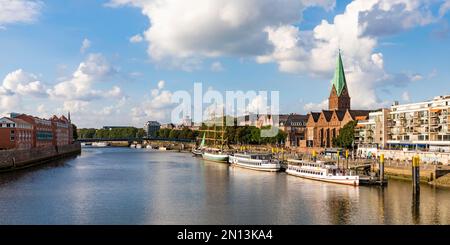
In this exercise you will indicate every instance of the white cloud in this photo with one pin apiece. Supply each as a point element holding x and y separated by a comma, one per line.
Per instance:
<point>161,84</point>
<point>80,85</point>
<point>316,107</point>
<point>258,105</point>
<point>361,25</point>
<point>136,38</point>
<point>184,32</point>
<point>19,11</point>
<point>157,106</point>
<point>217,67</point>
<point>445,7</point>
<point>75,106</point>
<point>406,97</point>
<point>23,83</point>
<point>85,45</point>
<point>416,77</point>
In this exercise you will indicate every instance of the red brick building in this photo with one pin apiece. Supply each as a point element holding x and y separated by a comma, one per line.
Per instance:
<point>15,134</point>
<point>61,130</point>
<point>26,131</point>
<point>42,130</point>
<point>323,127</point>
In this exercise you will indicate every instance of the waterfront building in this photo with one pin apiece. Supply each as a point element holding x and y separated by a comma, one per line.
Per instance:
<point>373,132</point>
<point>168,126</point>
<point>15,134</point>
<point>42,130</point>
<point>61,130</point>
<point>322,127</point>
<point>264,120</point>
<point>21,131</point>
<point>151,127</point>
<point>295,127</point>
<point>423,125</point>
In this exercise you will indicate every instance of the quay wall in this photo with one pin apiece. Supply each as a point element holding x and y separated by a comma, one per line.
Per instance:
<point>17,159</point>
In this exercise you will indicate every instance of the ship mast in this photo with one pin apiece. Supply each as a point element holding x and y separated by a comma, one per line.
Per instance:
<point>223,128</point>
<point>215,128</point>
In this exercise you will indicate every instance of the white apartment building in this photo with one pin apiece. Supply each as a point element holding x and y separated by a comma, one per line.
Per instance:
<point>423,125</point>
<point>373,132</point>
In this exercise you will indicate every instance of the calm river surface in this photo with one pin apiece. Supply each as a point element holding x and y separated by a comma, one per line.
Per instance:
<point>139,186</point>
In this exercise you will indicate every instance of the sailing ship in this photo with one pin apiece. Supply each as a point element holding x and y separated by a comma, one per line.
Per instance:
<point>197,152</point>
<point>214,154</point>
<point>322,171</point>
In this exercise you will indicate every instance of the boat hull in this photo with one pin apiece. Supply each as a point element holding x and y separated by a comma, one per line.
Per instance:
<point>251,164</point>
<point>343,180</point>
<point>197,153</point>
<point>215,157</point>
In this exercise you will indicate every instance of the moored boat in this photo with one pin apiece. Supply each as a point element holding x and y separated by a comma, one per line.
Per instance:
<point>133,146</point>
<point>215,156</point>
<point>100,144</point>
<point>322,171</point>
<point>255,161</point>
<point>197,152</point>
<point>138,146</point>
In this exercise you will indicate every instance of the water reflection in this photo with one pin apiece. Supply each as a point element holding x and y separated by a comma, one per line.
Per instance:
<point>139,186</point>
<point>415,209</point>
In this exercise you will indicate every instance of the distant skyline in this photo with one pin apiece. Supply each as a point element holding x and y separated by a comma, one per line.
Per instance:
<point>118,62</point>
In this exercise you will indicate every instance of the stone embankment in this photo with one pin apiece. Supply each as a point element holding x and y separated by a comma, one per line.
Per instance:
<point>11,160</point>
<point>443,181</point>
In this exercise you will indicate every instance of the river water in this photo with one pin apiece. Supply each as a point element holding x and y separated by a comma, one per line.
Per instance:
<point>140,186</point>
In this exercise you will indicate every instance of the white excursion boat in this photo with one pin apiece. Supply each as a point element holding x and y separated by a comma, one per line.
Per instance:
<point>100,144</point>
<point>320,170</point>
<point>261,162</point>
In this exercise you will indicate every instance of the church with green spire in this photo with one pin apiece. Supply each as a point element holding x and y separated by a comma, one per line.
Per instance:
<point>339,97</point>
<point>322,127</point>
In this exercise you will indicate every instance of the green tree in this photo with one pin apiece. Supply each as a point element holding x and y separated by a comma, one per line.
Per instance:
<point>141,133</point>
<point>346,136</point>
<point>174,134</point>
<point>74,132</point>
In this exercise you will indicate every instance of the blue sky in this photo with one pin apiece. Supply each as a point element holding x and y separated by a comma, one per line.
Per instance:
<point>392,50</point>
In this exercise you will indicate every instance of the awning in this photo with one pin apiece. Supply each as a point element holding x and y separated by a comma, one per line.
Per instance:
<point>435,110</point>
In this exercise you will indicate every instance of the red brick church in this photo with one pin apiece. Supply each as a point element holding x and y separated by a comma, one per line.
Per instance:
<point>323,126</point>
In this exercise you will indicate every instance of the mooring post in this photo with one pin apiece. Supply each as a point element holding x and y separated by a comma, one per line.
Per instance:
<point>381,169</point>
<point>416,174</point>
<point>338,156</point>
<point>346,157</point>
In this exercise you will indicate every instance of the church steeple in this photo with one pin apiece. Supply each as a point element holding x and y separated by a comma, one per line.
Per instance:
<point>339,81</point>
<point>339,97</point>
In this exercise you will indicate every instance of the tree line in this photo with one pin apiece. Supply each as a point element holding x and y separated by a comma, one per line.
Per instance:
<point>233,135</point>
<point>114,133</point>
<point>246,135</point>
